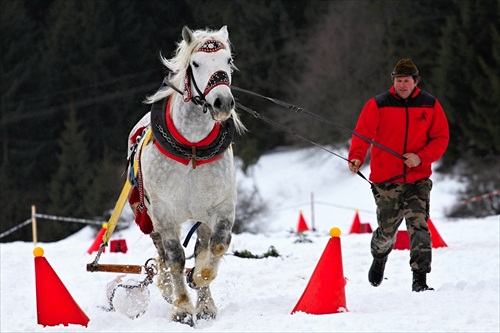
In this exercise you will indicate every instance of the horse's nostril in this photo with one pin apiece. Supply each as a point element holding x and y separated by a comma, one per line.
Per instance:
<point>223,104</point>
<point>217,103</point>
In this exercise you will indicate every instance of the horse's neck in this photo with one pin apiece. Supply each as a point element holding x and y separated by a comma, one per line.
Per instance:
<point>191,122</point>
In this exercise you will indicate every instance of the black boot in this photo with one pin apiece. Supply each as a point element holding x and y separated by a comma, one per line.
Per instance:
<point>420,282</point>
<point>376,273</point>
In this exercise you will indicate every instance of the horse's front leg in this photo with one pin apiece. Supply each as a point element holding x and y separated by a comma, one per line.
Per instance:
<point>209,249</point>
<point>172,257</point>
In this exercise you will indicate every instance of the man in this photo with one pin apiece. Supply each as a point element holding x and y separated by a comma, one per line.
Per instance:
<point>409,132</point>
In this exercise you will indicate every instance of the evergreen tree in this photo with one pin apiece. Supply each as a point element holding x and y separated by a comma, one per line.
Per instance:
<point>338,77</point>
<point>349,62</point>
<point>468,84</point>
<point>105,188</point>
<point>467,78</point>
<point>70,185</point>
<point>485,115</point>
<point>21,152</point>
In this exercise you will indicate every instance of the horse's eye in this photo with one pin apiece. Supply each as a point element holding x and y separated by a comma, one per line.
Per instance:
<point>230,61</point>
<point>195,64</point>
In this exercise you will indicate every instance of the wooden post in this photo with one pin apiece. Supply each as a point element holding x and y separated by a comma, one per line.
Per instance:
<point>312,212</point>
<point>33,224</point>
<point>115,268</point>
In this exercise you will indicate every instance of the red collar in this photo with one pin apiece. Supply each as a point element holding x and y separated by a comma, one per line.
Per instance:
<point>209,139</point>
<point>178,136</point>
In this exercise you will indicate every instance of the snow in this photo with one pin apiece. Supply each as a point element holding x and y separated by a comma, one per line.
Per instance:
<point>258,295</point>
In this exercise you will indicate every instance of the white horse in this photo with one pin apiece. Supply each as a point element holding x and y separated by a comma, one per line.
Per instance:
<point>187,170</point>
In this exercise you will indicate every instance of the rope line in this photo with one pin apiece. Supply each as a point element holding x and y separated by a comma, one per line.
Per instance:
<point>15,228</point>
<point>297,109</point>
<point>54,218</point>
<point>68,219</point>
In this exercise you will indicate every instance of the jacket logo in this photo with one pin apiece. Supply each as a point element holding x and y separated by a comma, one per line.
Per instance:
<point>423,116</point>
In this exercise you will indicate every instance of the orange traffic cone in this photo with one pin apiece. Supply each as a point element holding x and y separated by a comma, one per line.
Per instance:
<point>437,241</point>
<point>356,224</point>
<point>98,240</point>
<point>302,225</point>
<point>54,304</point>
<point>325,291</point>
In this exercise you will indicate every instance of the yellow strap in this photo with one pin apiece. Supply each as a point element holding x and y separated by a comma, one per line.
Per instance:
<point>122,199</point>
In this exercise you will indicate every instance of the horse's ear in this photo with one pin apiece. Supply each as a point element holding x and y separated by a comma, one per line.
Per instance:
<point>224,32</point>
<point>187,34</point>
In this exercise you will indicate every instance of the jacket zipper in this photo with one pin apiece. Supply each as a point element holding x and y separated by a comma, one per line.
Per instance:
<point>406,138</point>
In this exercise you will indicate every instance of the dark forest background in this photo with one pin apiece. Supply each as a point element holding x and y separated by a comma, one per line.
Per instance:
<point>74,75</point>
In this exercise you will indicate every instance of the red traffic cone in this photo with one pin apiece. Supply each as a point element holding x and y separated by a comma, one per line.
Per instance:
<point>437,241</point>
<point>402,240</point>
<point>302,225</point>
<point>118,245</point>
<point>98,240</point>
<point>325,291</point>
<point>365,228</point>
<point>54,304</point>
<point>356,224</point>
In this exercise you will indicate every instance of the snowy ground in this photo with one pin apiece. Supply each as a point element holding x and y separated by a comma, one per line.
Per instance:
<point>257,295</point>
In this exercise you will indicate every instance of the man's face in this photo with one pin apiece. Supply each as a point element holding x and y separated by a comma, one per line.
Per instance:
<point>404,85</point>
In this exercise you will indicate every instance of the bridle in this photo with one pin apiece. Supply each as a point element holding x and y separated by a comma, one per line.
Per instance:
<point>217,78</point>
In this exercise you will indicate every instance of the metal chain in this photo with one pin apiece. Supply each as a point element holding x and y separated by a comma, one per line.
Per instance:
<point>151,271</point>
<point>98,255</point>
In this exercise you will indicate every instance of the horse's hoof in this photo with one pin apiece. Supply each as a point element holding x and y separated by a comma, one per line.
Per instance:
<point>206,316</point>
<point>190,280</point>
<point>168,299</point>
<point>184,318</point>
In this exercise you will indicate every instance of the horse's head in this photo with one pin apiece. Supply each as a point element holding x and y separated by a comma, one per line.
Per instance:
<point>208,73</point>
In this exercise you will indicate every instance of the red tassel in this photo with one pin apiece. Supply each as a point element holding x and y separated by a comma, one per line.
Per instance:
<point>144,221</point>
<point>133,138</point>
<point>134,196</point>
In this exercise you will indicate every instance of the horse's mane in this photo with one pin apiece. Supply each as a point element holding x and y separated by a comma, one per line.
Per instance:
<point>179,63</point>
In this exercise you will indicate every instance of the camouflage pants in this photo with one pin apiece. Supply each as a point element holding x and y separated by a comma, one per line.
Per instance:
<point>396,202</point>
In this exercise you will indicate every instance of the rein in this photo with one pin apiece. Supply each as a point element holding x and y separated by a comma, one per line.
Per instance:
<point>317,117</point>
<point>286,129</point>
<point>297,109</point>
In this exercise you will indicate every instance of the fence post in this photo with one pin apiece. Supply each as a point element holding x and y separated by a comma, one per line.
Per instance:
<point>312,211</point>
<point>33,224</point>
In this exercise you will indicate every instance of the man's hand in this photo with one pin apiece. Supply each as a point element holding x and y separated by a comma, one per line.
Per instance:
<point>354,165</point>
<point>412,160</point>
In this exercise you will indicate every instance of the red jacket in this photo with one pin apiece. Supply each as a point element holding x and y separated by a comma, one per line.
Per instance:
<point>417,126</point>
